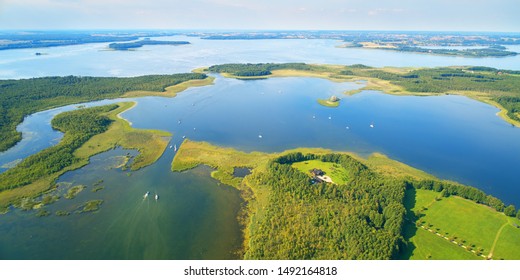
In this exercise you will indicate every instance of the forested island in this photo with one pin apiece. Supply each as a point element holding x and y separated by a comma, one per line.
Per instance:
<point>375,209</point>
<point>137,44</point>
<point>36,39</point>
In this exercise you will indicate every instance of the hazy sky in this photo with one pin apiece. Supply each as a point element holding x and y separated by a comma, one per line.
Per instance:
<point>456,15</point>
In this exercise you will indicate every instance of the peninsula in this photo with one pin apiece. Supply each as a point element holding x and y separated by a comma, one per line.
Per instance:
<point>375,208</point>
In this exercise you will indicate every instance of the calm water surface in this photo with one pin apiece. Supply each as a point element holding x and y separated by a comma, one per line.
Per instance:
<point>98,60</point>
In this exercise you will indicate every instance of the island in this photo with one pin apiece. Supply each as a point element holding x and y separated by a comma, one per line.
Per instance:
<point>332,101</point>
<point>482,51</point>
<point>137,44</point>
<point>40,39</point>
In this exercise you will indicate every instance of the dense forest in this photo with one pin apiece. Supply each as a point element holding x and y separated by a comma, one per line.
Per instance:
<point>19,98</point>
<point>78,127</point>
<point>359,220</point>
<point>260,69</point>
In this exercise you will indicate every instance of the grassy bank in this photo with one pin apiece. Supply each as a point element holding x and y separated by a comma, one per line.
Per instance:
<point>23,181</point>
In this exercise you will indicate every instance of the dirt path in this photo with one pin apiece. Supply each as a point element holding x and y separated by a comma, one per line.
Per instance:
<point>496,240</point>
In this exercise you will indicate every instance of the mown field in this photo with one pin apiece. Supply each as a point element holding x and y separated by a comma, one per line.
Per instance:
<point>484,232</point>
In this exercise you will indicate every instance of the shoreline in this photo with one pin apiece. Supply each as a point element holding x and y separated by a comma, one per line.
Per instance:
<point>134,104</point>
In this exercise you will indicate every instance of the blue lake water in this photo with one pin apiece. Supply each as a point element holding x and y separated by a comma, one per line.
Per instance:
<point>98,60</point>
<point>449,136</point>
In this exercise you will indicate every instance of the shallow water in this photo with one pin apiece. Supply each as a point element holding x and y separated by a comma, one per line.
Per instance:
<point>193,218</point>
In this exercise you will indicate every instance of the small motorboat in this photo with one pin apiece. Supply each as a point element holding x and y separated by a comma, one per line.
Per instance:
<point>175,148</point>
<point>146,195</point>
<point>156,197</point>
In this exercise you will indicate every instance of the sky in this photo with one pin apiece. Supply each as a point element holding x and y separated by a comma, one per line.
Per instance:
<point>432,15</point>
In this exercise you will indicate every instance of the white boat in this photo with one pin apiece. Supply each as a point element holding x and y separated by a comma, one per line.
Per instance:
<point>371,125</point>
<point>175,148</point>
<point>330,118</point>
<point>183,136</point>
<point>146,195</point>
<point>179,122</point>
<point>156,196</point>
<point>171,146</point>
<point>260,136</point>
<point>313,117</point>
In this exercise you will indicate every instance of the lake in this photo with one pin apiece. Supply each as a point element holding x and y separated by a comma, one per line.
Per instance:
<point>452,137</point>
<point>98,60</point>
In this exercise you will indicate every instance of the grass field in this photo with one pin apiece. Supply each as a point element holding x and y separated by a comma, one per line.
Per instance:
<point>337,173</point>
<point>508,243</point>
<point>431,247</point>
<point>473,225</point>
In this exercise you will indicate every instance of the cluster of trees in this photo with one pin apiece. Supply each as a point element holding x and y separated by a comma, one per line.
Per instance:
<point>359,220</point>
<point>259,69</point>
<point>471,193</point>
<point>137,44</point>
<point>19,98</point>
<point>511,104</point>
<point>78,126</point>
